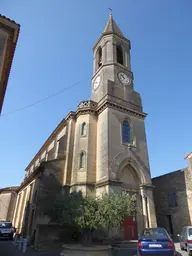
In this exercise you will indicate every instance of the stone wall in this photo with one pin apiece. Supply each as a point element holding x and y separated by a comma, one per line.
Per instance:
<point>4,204</point>
<point>12,206</point>
<point>50,186</point>
<point>178,215</point>
<point>7,205</point>
<point>51,237</point>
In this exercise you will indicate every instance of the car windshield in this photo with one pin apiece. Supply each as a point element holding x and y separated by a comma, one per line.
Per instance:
<point>190,231</point>
<point>5,225</point>
<point>154,232</point>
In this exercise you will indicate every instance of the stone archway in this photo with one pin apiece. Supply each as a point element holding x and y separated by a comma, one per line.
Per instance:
<point>129,177</point>
<point>121,160</point>
<point>134,176</point>
<point>130,180</point>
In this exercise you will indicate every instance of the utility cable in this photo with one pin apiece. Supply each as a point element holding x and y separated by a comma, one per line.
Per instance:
<point>40,101</point>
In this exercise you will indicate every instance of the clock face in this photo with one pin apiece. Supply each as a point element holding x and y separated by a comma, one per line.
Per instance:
<point>125,80</point>
<point>96,83</point>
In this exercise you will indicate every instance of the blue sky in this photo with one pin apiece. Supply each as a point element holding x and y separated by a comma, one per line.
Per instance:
<point>54,51</point>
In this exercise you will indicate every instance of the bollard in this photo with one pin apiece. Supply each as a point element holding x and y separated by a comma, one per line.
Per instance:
<point>20,243</point>
<point>24,245</point>
<point>15,240</point>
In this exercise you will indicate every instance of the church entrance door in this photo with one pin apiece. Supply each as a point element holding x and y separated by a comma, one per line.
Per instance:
<point>130,228</point>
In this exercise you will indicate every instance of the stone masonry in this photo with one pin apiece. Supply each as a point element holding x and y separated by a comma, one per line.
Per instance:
<point>173,200</point>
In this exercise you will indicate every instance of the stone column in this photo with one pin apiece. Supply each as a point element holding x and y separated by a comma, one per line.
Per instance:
<point>126,58</point>
<point>144,208</point>
<point>151,208</point>
<point>18,211</point>
<point>139,214</point>
<point>56,149</point>
<point>110,51</point>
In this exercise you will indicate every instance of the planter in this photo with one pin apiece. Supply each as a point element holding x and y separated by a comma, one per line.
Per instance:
<point>80,250</point>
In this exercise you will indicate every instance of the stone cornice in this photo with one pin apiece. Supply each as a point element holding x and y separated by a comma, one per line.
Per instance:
<point>31,177</point>
<point>110,33</point>
<point>113,64</point>
<point>113,105</point>
<point>9,189</point>
<point>147,186</point>
<point>108,182</point>
<point>50,138</point>
<point>92,184</point>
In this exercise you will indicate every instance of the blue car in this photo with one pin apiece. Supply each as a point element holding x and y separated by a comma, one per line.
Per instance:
<point>155,242</point>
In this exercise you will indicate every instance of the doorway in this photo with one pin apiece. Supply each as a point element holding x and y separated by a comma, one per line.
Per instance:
<point>170,224</point>
<point>130,228</point>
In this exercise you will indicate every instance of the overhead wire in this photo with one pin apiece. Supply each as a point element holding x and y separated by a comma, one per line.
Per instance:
<point>42,100</point>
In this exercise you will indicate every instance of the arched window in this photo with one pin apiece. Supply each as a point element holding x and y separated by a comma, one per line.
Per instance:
<point>126,132</point>
<point>83,129</point>
<point>82,160</point>
<point>99,57</point>
<point>119,51</point>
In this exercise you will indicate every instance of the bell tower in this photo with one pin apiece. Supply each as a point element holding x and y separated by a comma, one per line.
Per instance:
<point>112,73</point>
<point>121,147</point>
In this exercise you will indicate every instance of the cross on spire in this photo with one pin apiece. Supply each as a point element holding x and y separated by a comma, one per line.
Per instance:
<point>111,26</point>
<point>110,10</point>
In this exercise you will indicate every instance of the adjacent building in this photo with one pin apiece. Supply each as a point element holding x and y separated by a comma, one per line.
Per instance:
<point>8,197</point>
<point>173,199</point>
<point>101,147</point>
<point>9,32</point>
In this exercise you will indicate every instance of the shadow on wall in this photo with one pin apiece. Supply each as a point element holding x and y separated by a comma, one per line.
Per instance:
<point>171,201</point>
<point>47,189</point>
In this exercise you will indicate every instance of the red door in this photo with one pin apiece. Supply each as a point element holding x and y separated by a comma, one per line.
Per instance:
<point>130,228</point>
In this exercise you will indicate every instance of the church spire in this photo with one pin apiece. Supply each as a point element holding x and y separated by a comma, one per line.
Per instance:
<point>112,27</point>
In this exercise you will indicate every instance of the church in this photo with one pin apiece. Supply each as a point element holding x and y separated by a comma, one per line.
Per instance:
<point>101,147</point>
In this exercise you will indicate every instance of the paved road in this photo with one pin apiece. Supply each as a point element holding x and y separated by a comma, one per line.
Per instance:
<point>8,249</point>
<point>132,252</point>
<point>183,253</point>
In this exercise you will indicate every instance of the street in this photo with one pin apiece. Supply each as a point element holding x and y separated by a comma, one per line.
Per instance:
<point>8,249</point>
<point>132,251</point>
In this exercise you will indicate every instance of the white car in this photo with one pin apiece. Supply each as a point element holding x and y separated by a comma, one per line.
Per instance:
<point>6,229</point>
<point>185,239</point>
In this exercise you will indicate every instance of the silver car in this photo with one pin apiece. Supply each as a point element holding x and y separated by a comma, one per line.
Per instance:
<point>6,229</point>
<point>185,239</point>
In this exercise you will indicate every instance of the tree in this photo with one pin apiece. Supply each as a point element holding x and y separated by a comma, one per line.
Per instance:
<point>108,212</point>
<point>115,207</point>
<point>89,218</point>
<point>66,208</point>
<point>89,213</point>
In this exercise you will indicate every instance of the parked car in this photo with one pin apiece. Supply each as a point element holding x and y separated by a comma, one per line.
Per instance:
<point>185,239</point>
<point>155,241</point>
<point>6,229</point>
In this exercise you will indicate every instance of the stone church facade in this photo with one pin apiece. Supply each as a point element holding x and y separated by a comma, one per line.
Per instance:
<point>101,147</point>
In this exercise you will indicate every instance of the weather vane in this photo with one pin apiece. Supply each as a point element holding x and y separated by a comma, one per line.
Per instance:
<point>110,10</point>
